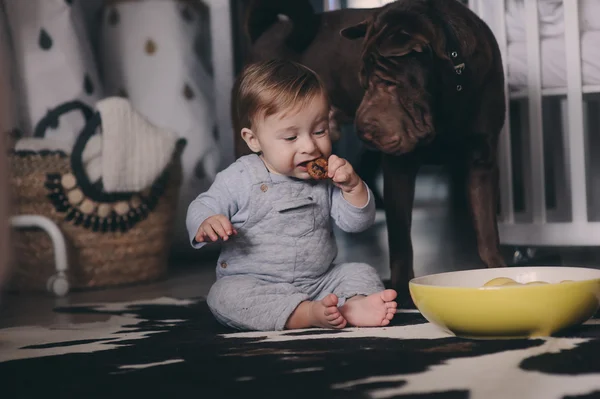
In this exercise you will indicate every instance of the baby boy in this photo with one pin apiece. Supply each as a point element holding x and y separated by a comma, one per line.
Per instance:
<point>276,268</point>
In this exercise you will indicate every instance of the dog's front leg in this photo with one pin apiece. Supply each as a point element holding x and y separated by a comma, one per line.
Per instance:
<point>399,175</point>
<point>482,187</point>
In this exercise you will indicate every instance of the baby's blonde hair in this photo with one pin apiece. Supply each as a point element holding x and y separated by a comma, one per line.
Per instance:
<point>269,87</point>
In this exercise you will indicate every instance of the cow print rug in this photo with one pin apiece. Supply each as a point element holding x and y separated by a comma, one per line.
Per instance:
<point>172,348</point>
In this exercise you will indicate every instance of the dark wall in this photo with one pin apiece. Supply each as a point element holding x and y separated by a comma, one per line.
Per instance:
<point>238,8</point>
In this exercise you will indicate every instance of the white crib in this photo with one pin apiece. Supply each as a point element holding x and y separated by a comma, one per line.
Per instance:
<point>550,179</point>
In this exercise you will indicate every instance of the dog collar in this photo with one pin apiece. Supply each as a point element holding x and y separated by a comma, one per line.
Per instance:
<point>459,67</point>
<point>452,48</point>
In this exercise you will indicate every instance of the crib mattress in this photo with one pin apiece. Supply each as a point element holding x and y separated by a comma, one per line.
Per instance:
<point>550,18</point>
<point>551,33</point>
<point>554,62</point>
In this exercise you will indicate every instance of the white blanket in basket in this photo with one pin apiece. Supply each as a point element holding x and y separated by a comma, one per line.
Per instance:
<point>128,153</point>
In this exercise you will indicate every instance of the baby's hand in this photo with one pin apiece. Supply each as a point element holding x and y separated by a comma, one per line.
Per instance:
<point>214,227</point>
<point>342,174</point>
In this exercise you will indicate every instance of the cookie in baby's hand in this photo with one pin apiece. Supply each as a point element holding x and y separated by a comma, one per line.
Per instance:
<point>317,169</point>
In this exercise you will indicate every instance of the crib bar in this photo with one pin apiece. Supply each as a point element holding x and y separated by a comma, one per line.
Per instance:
<point>536,199</point>
<point>550,234</point>
<point>554,91</point>
<point>475,6</point>
<point>479,5</point>
<point>330,5</point>
<point>220,22</point>
<point>574,138</point>
<point>504,150</point>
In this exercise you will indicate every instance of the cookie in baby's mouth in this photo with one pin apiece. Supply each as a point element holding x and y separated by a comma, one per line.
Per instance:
<point>317,169</point>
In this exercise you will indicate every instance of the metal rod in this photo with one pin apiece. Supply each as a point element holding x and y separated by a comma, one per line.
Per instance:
<point>222,43</point>
<point>574,138</point>
<point>505,152</point>
<point>536,134</point>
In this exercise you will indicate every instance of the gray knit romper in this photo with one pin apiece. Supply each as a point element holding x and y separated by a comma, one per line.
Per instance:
<point>283,254</point>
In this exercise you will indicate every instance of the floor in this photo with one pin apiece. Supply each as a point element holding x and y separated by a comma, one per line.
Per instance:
<point>440,244</point>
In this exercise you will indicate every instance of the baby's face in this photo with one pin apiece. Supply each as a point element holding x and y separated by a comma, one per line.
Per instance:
<point>292,138</point>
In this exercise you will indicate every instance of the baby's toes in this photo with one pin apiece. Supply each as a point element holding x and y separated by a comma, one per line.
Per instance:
<point>340,326</point>
<point>391,304</point>
<point>333,317</point>
<point>331,311</point>
<point>337,321</point>
<point>385,322</point>
<point>330,300</point>
<point>388,295</point>
<point>390,315</point>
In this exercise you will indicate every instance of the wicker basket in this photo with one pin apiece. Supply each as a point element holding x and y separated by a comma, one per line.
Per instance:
<point>112,239</point>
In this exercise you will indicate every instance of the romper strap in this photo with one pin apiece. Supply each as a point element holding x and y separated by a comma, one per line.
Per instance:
<point>257,169</point>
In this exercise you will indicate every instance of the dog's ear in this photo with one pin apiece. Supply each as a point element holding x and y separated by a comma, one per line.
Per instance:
<point>401,43</point>
<point>356,31</point>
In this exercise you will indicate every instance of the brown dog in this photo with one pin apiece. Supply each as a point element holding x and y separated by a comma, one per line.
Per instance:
<point>423,80</point>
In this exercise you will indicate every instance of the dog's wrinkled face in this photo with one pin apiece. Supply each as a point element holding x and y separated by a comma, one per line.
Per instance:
<point>395,114</point>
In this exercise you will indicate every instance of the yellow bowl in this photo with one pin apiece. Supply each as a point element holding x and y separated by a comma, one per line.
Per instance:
<point>457,302</point>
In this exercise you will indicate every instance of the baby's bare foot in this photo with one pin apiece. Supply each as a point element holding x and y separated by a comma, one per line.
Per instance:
<point>325,313</point>
<point>374,310</point>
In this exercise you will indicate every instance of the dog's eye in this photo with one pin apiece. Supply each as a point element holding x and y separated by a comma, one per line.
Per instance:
<point>363,80</point>
<point>385,82</point>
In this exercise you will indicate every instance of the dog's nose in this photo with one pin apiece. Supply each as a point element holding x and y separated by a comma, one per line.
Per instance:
<point>366,129</point>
